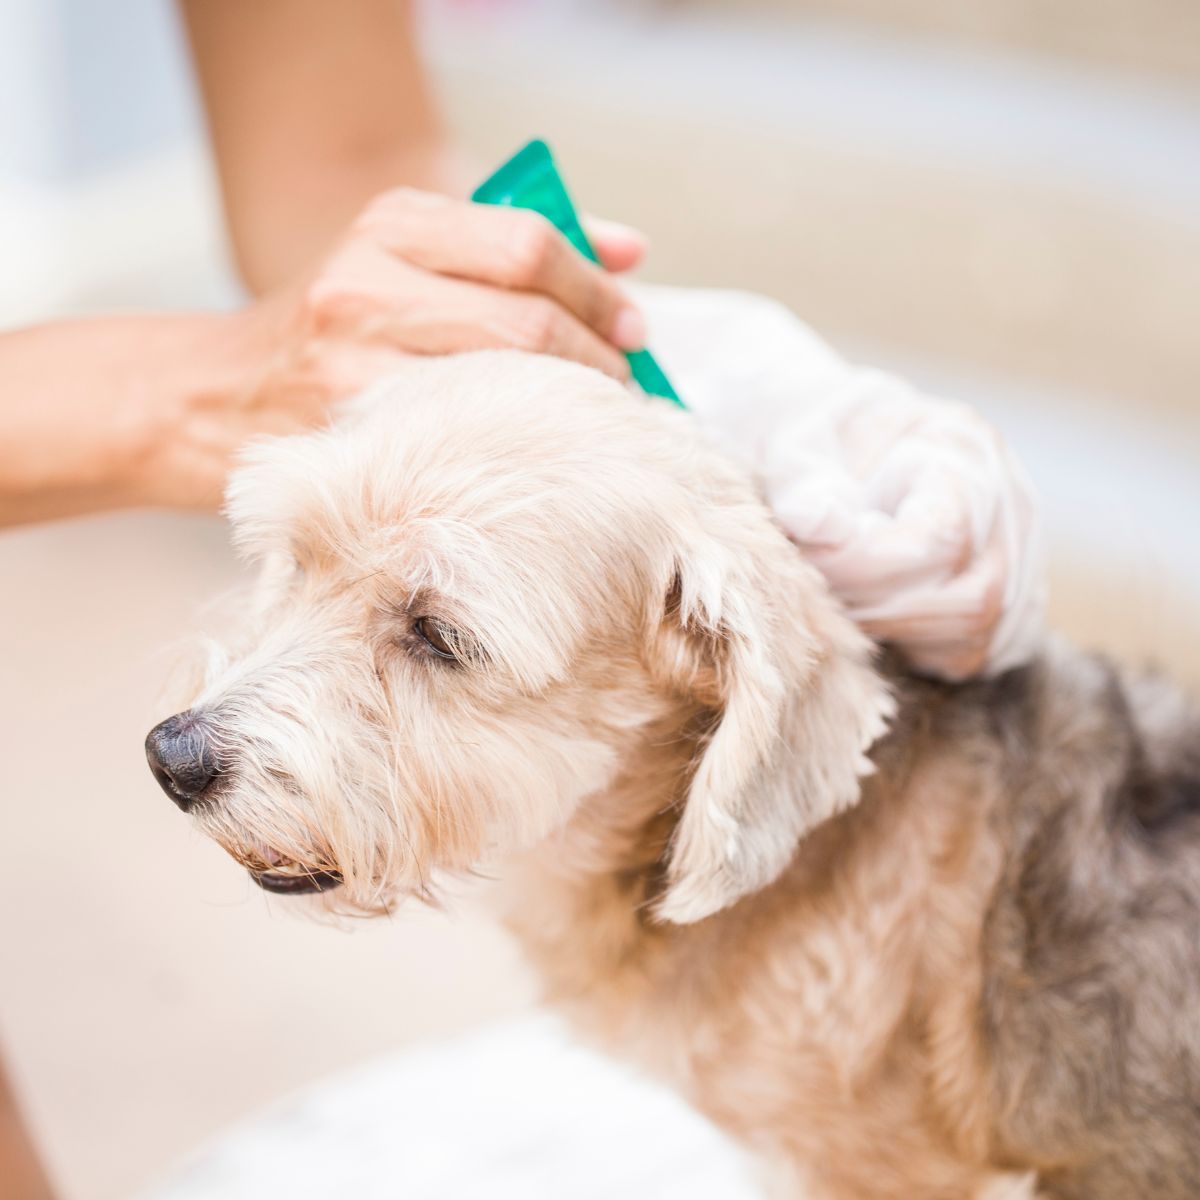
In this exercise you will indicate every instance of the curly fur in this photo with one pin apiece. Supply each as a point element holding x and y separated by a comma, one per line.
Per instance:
<point>905,939</point>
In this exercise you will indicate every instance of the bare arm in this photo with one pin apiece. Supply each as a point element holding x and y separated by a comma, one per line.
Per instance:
<point>149,410</point>
<point>22,1173</point>
<point>117,411</point>
<point>313,108</point>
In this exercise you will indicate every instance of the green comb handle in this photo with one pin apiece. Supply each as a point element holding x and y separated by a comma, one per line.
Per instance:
<point>530,179</point>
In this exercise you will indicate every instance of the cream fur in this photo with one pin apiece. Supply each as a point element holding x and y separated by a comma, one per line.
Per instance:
<point>658,703</point>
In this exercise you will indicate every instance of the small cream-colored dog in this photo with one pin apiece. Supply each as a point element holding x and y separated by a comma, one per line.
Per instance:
<point>907,940</point>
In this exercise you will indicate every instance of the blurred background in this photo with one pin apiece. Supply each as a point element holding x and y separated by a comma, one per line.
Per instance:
<point>997,198</point>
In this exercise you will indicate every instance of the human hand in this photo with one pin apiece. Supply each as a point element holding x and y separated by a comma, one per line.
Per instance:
<point>417,273</point>
<point>918,516</point>
<point>922,523</point>
<point>925,528</point>
<point>420,273</point>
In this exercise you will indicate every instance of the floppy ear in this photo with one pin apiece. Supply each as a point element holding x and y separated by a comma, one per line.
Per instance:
<point>751,631</point>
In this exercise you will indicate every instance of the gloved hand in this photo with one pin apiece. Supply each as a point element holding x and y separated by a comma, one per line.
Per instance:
<point>912,508</point>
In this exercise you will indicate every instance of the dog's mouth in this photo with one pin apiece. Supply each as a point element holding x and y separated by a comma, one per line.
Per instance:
<point>287,877</point>
<point>298,883</point>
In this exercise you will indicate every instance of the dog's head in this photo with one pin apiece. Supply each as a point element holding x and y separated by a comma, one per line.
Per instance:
<point>480,593</point>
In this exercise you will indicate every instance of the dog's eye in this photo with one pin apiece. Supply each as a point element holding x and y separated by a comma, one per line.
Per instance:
<point>443,640</point>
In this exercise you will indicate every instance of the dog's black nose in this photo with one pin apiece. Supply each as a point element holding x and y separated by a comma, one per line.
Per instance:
<point>181,758</point>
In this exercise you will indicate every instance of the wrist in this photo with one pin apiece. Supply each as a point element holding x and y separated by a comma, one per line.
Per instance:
<point>182,427</point>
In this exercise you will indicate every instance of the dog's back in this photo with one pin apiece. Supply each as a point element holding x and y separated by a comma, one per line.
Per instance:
<point>1091,947</point>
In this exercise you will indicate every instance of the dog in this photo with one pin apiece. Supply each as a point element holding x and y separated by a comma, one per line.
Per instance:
<point>903,939</point>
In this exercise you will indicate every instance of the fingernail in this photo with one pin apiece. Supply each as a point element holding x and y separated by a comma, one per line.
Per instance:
<point>629,329</point>
<point>598,227</point>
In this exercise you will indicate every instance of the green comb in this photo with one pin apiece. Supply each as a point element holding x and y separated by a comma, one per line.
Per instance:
<point>530,179</point>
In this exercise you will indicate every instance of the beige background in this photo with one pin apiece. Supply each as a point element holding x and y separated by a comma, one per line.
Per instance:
<point>148,993</point>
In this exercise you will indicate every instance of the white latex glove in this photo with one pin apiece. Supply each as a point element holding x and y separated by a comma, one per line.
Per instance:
<point>912,508</point>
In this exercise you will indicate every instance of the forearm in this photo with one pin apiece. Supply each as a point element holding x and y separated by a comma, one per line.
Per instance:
<point>110,412</point>
<point>313,108</point>
<point>19,1166</point>
<point>152,410</point>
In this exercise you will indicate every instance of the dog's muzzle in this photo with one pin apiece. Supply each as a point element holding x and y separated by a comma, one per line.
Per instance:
<point>187,768</point>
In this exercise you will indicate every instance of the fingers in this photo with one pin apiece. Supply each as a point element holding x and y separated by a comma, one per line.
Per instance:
<point>467,316</point>
<point>946,629</point>
<point>366,297</point>
<point>618,247</point>
<point>511,249</point>
<point>921,581</point>
<point>953,661</point>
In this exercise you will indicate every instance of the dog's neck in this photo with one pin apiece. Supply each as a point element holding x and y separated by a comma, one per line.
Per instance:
<point>593,883</point>
<point>582,902</point>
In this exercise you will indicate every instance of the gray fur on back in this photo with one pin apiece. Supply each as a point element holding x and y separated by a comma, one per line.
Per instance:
<point>1091,949</point>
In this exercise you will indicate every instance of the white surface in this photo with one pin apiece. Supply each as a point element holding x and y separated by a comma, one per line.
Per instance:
<point>517,1111</point>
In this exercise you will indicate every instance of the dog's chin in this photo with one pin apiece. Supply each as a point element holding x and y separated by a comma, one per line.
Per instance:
<point>300,884</point>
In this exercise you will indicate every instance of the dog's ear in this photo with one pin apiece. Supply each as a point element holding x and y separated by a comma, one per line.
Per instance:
<point>750,632</point>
